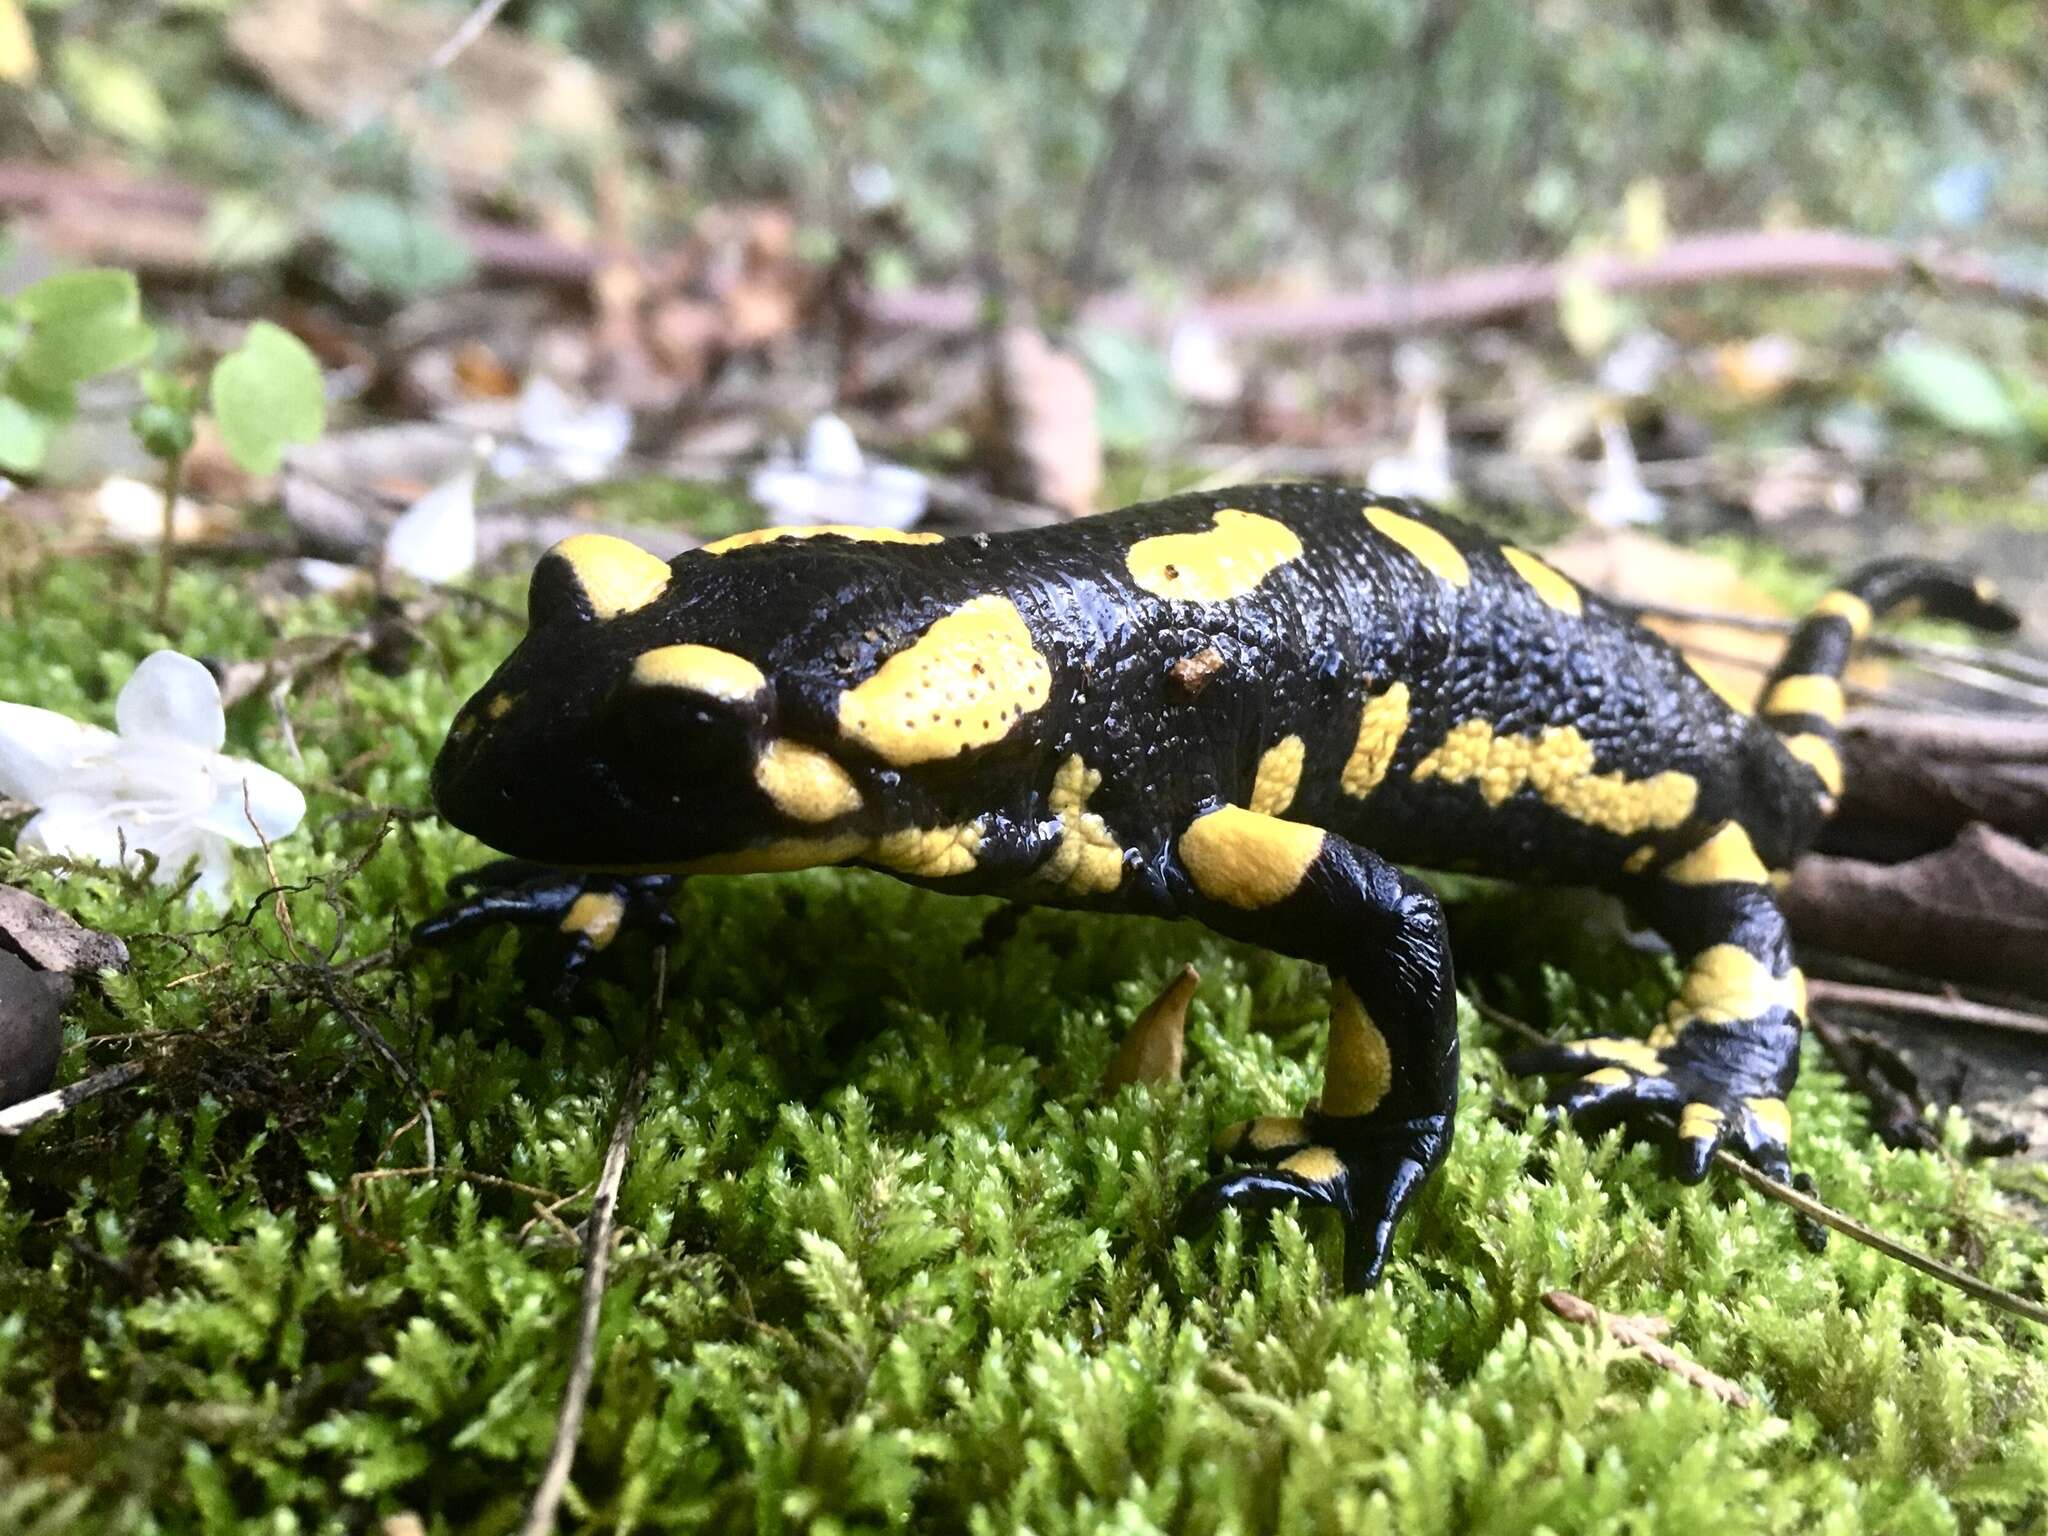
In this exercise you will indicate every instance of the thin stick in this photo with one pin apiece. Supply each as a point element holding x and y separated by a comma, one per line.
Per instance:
<point>597,1259</point>
<point>2008,663</point>
<point>48,1106</point>
<point>1958,1010</point>
<point>1826,1215</point>
<point>174,483</point>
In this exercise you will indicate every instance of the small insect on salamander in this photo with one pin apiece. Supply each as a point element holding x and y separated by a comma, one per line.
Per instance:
<point>1249,708</point>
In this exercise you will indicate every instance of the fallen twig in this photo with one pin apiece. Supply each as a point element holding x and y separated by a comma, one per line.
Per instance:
<point>48,1106</point>
<point>1493,293</point>
<point>597,1258</point>
<point>1957,1010</point>
<point>1815,1210</point>
<point>1628,1331</point>
<point>2016,665</point>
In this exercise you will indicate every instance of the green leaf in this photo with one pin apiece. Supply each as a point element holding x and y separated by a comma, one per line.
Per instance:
<point>1135,405</point>
<point>71,297</point>
<point>1951,387</point>
<point>115,94</point>
<point>245,230</point>
<point>82,324</point>
<point>267,394</point>
<point>393,248</point>
<point>24,436</point>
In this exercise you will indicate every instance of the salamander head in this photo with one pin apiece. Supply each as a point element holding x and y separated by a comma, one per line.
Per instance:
<point>626,732</point>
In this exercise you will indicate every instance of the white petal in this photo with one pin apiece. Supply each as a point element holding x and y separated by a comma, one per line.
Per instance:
<point>172,698</point>
<point>216,868</point>
<point>894,496</point>
<point>435,539</point>
<point>40,750</point>
<point>249,791</point>
<point>790,495</point>
<point>584,441</point>
<point>77,827</point>
<point>327,575</point>
<point>830,452</point>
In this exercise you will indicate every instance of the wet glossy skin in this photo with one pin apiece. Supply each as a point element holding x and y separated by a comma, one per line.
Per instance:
<point>1246,707</point>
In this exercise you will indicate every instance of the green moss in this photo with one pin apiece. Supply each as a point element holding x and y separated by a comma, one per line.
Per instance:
<point>888,1258</point>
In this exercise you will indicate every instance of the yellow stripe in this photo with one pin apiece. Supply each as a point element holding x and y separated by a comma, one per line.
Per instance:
<point>1437,553</point>
<point>1727,855</point>
<point>1808,694</point>
<point>1819,754</point>
<point>1547,583</point>
<point>700,669</point>
<point>1844,605</point>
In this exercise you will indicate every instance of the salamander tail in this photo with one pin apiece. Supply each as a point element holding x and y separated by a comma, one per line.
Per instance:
<point>1802,702</point>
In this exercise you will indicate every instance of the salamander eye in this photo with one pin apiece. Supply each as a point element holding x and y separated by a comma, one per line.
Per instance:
<point>688,713</point>
<point>590,576</point>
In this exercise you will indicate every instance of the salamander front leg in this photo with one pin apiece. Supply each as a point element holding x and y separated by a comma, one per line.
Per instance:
<point>586,912</point>
<point>1383,1122</point>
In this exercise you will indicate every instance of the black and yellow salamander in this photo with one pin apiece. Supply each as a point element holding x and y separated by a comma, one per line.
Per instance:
<point>1250,707</point>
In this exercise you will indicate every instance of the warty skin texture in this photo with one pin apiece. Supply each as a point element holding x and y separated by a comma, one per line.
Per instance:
<point>1248,707</point>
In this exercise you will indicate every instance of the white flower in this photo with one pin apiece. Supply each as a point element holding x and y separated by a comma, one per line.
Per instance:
<point>578,442</point>
<point>834,484</point>
<point>1620,497</point>
<point>159,783</point>
<point>1422,471</point>
<point>434,539</point>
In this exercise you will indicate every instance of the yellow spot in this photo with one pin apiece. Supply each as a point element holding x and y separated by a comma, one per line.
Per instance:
<point>1844,605</point>
<point>1360,1067</point>
<point>596,916</point>
<point>1278,777</point>
<point>1246,860</point>
<point>964,683</point>
<point>1558,764</point>
<point>1228,561</point>
<point>1269,1133</point>
<point>1986,590</point>
<point>1437,553</point>
<point>1609,1077</point>
<point>616,576</point>
<point>775,857</point>
<point>1088,858</point>
<point>1809,694</point>
<point>1637,1054</point>
<point>855,531</point>
<point>1545,582</point>
<point>932,853</point>
<point>804,783</point>
<point>701,669</point>
<point>1699,1122</point>
<point>1380,728</point>
<point>1773,1116</point>
<point>1727,854</point>
<point>1640,860</point>
<point>1819,754</point>
<point>500,706</point>
<point>1319,1165</point>
<point>1726,984</point>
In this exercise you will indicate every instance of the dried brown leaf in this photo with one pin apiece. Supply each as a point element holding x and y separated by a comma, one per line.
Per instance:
<point>1976,911</point>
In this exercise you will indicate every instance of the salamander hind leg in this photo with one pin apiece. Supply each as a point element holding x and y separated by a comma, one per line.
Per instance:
<point>1383,1121</point>
<point>1724,1060</point>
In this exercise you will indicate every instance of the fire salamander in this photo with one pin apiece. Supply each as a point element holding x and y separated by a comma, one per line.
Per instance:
<point>1251,708</point>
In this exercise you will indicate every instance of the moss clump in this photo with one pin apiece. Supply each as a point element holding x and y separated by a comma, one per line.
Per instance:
<point>887,1257</point>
